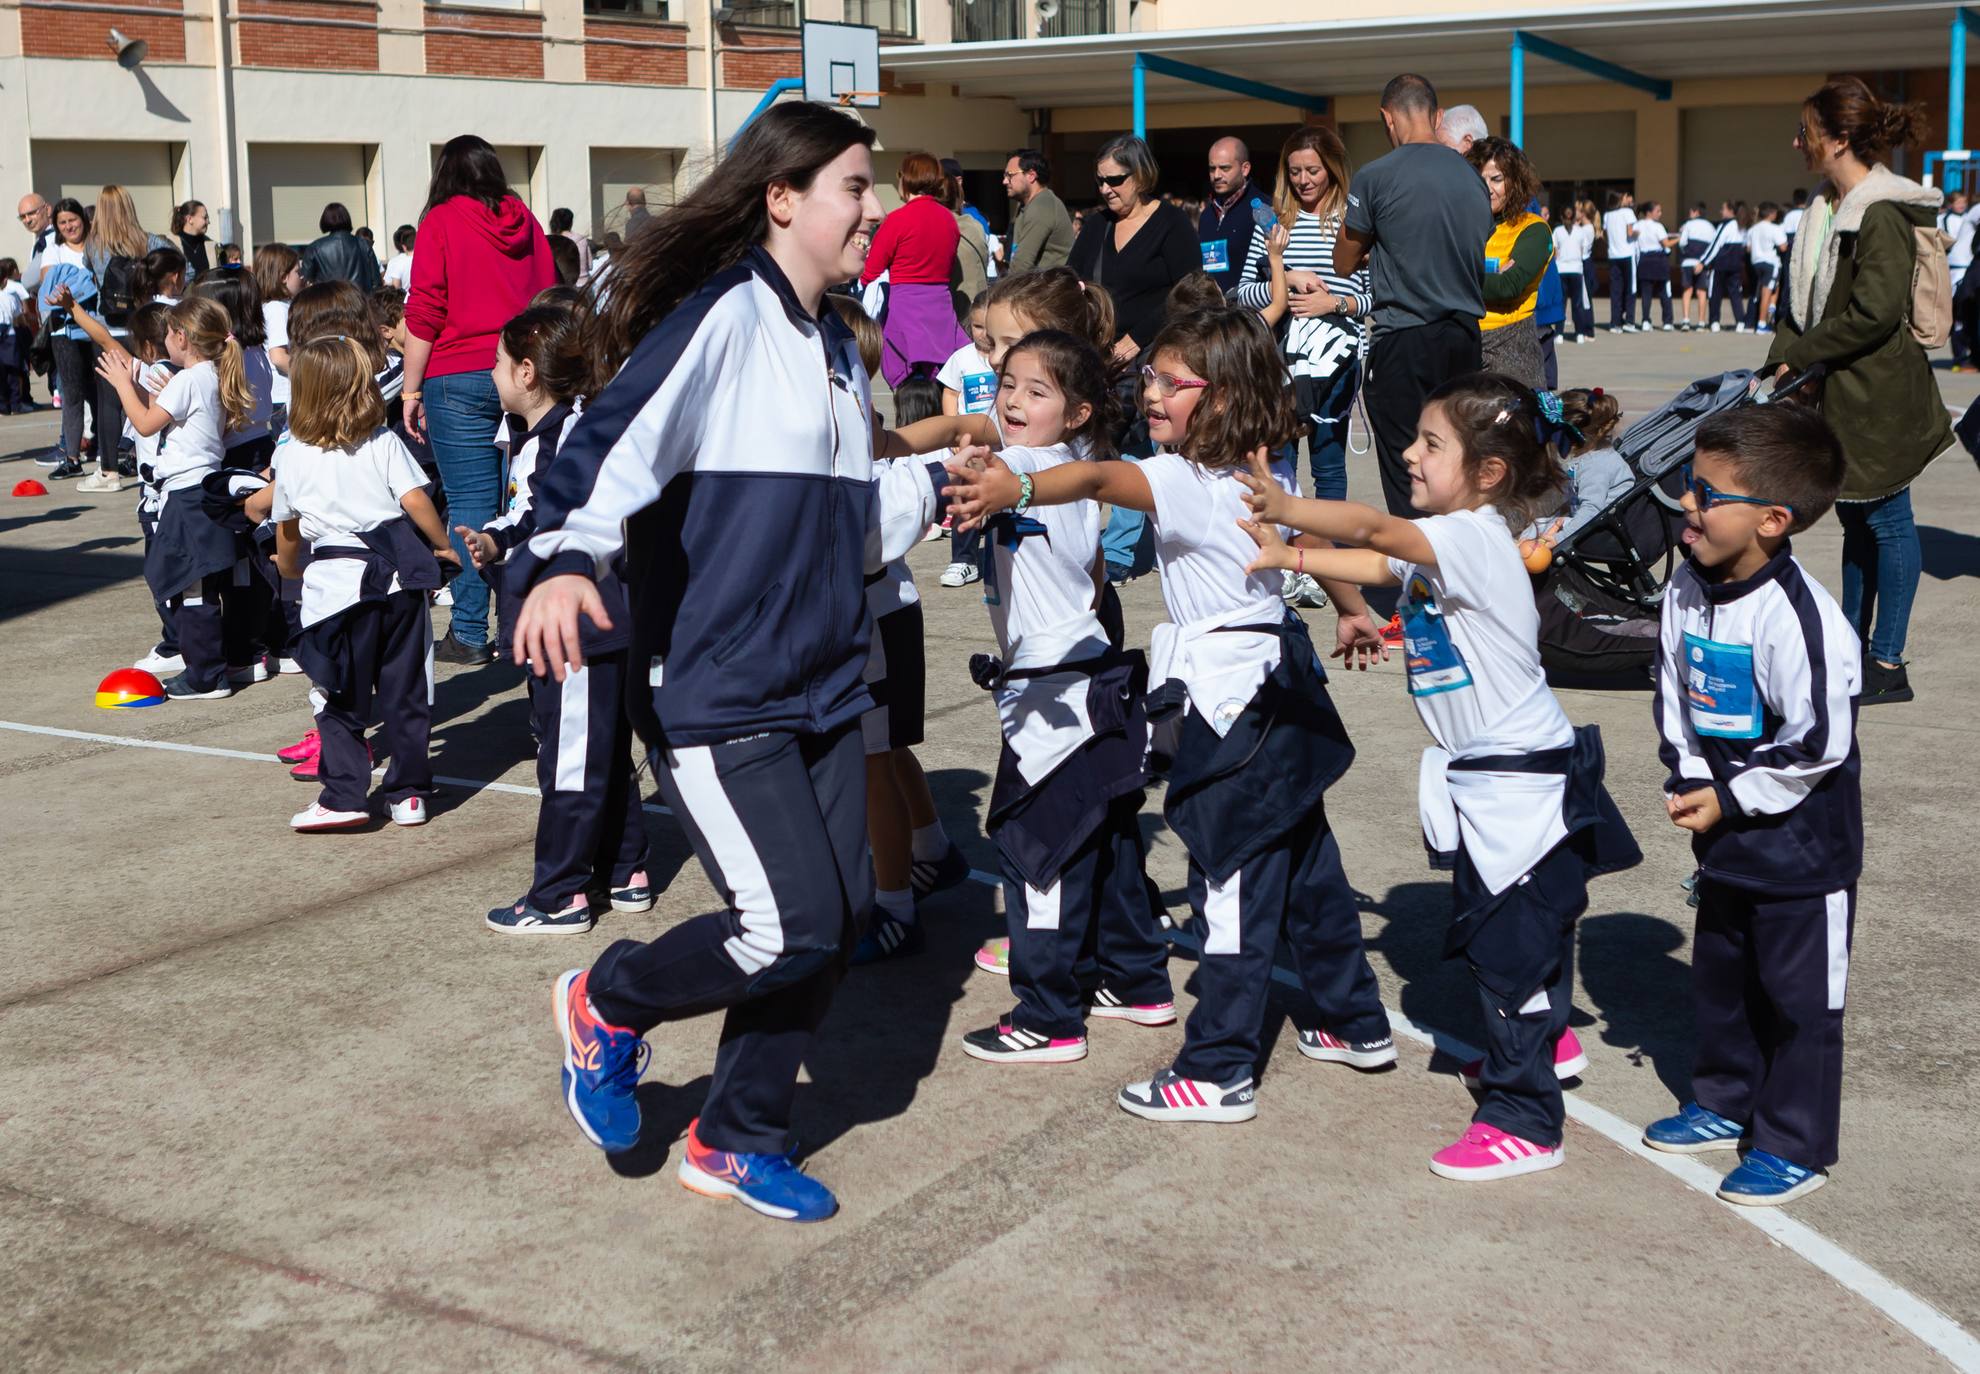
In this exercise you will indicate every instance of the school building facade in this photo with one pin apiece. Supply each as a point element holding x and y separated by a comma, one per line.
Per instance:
<point>267,109</point>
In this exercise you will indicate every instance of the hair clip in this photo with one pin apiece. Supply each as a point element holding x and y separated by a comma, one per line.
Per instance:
<point>1502,417</point>
<point>232,339</point>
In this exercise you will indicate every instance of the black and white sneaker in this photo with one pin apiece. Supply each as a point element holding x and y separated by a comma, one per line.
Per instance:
<point>1168,1096</point>
<point>1361,1054</point>
<point>1107,1004</point>
<point>1005,1043</point>
<point>180,688</point>
<point>929,876</point>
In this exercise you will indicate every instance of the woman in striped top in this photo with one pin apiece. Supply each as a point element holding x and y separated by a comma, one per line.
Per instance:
<point>1321,337</point>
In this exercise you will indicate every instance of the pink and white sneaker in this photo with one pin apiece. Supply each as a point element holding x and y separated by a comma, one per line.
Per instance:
<point>995,957</point>
<point>308,747</point>
<point>1005,1043</point>
<point>1108,1006</point>
<point>1485,1152</point>
<point>1570,1061</point>
<point>411,811</point>
<point>317,816</point>
<point>309,769</point>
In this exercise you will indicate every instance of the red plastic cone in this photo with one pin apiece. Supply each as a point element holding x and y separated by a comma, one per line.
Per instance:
<point>27,486</point>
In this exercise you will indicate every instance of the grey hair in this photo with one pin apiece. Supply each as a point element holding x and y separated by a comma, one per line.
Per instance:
<point>1134,157</point>
<point>1464,121</point>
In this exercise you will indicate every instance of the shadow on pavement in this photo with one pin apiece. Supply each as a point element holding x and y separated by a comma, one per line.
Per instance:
<point>1632,971</point>
<point>1948,554</point>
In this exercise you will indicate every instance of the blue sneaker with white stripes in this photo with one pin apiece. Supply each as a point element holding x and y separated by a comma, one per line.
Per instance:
<point>602,1065</point>
<point>1764,1180</point>
<point>1693,1131</point>
<point>887,938</point>
<point>929,876</point>
<point>770,1184</point>
<point>522,918</point>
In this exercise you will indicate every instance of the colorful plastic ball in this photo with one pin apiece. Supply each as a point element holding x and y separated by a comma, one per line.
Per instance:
<point>127,688</point>
<point>27,486</point>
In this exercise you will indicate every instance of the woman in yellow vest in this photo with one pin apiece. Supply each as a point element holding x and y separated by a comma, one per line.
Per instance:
<point>1516,258</point>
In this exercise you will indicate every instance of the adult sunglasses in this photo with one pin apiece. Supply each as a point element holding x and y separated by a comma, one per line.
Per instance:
<point>1709,496</point>
<point>1115,180</point>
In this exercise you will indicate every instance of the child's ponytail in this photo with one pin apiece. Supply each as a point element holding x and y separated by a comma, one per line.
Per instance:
<point>209,332</point>
<point>1056,298</point>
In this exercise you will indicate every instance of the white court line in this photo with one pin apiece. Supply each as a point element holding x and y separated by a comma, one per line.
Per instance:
<point>471,784</point>
<point>1908,1310</point>
<point>1914,1314</point>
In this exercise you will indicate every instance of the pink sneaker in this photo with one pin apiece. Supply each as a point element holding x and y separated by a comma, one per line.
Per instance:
<point>1570,1061</point>
<point>1107,1005</point>
<point>1485,1152</point>
<point>995,957</point>
<point>308,747</point>
<point>306,770</point>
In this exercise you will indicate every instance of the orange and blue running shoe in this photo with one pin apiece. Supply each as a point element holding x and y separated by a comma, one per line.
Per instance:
<point>602,1065</point>
<point>770,1184</point>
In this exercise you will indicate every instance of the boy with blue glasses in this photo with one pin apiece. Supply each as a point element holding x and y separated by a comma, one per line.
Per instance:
<point>1757,691</point>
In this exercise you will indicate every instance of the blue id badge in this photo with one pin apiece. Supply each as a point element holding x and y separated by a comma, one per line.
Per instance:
<point>1216,255</point>
<point>1723,698</point>
<point>1432,660</point>
<point>979,392</point>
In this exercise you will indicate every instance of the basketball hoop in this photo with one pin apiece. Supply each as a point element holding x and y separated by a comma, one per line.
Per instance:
<point>847,99</point>
<point>841,64</point>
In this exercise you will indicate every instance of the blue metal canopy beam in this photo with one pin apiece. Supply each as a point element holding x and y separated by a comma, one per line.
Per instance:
<point>1964,21</point>
<point>1145,63</point>
<point>1524,43</point>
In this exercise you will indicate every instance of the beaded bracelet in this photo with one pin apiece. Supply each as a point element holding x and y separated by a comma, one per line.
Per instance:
<point>1024,492</point>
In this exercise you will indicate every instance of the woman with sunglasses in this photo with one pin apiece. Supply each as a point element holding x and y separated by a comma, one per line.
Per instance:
<point>1849,302</point>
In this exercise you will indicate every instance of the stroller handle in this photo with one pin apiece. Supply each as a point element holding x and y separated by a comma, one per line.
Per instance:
<point>1815,373</point>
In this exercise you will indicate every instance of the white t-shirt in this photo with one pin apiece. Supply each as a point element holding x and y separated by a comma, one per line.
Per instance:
<point>398,272</point>
<point>1791,222</point>
<point>1616,226</point>
<point>275,321</point>
<point>1765,240</point>
<point>151,379</point>
<point>193,445</point>
<point>1650,235</point>
<point>335,494</point>
<point>1959,228</point>
<point>1567,249</point>
<point>968,373</point>
<point>1471,641</point>
<point>1044,611</point>
<point>13,296</point>
<point>1584,234</point>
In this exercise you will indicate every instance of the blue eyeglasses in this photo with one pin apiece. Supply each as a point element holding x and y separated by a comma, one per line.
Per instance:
<point>1709,496</point>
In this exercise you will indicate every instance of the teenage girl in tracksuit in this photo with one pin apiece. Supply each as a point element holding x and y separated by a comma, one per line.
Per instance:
<point>1065,808</point>
<point>1258,740</point>
<point>1653,263</point>
<point>736,437</point>
<point>590,828</point>
<point>1725,259</point>
<point>1510,794</point>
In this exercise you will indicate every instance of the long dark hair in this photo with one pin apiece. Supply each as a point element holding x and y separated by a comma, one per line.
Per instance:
<point>234,290</point>
<point>69,205</point>
<point>182,213</point>
<point>711,227</point>
<point>1083,377</point>
<point>552,338</point>
<point>1495,416</point>
<point>468,166</point>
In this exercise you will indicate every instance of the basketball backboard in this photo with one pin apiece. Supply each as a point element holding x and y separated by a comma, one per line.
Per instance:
<point>841,64</point>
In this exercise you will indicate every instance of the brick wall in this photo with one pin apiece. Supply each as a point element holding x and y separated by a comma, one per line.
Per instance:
<point>330,45</point>
<point>79,33</point>
<point>516,53</point>
<point>748,62</point>
<point>612,52</point>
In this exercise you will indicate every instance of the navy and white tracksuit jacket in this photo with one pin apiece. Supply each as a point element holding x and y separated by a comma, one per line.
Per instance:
<point>731,460</point>
<point>1757,690</point>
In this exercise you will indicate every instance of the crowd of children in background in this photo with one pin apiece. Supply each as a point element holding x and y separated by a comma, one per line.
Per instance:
<point>291,526</point>
<point>1687,274</point>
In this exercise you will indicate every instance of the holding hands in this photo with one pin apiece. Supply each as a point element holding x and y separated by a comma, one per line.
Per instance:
<point>982,486</point>
<point>480,546</point>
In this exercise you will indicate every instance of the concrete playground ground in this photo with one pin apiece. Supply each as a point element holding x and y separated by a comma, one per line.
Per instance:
<point>277,1102</point>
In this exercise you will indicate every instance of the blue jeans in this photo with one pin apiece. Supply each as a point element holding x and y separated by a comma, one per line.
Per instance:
<point>1324,403</point>
<point>1881,560</point>
<point>1128,541</point>
<point>463,414</point>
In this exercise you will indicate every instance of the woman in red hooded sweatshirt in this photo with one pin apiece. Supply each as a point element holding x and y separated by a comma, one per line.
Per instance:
<point>482,257</point>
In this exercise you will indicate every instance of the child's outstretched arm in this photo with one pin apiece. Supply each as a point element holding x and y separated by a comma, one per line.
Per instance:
<point>1360,567</point>
<point>976,495</point>
<point>1339,522</point>
<point>61,296</point>
<point>147,417</point>
<point>418,507</point>
<point>936,432</point>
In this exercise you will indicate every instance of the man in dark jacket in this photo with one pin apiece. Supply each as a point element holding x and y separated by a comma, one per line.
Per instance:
<point>340,255</point>
<point>1228,215</point>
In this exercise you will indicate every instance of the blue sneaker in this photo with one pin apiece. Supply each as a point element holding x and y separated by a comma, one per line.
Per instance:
<point>770,1184</point>
<point>1693,1131</point>
<point>635,896</point>
<point>521,918</point>
<point>1764,1180</point>
<point>938,875</point>
<point>602,1064</point>
<point>887,938</point>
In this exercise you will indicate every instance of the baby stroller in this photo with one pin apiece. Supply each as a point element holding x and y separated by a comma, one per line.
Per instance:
<point>1600,598</point>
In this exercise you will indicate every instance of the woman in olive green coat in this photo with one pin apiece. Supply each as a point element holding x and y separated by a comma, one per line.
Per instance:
<point>1851,299</point>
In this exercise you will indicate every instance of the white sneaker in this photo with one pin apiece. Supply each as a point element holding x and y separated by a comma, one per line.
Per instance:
<point>317,816</point>
<point>445,598</point>
<point>411,811</point>
<point>101,481</point>
<point>1740,329</point>
<point>155,662</point>
<point>288,667</point>
<point>1715,328</point>
<point>960,574</point>
<point>1669,328</point>
<point>254,672</point>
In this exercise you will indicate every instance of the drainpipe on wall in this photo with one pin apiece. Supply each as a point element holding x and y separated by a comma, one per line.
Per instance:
<point>233,225</point>
<point>708,35</point>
